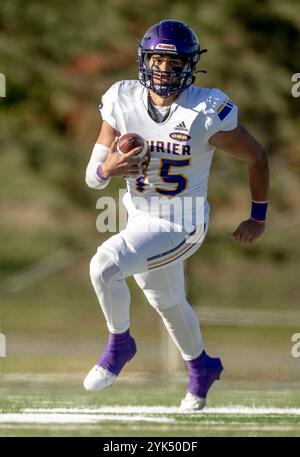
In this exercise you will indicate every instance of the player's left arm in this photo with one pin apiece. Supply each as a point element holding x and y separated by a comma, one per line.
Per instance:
<point>240,143</point>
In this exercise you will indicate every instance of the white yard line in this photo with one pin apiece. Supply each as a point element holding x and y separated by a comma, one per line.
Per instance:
<point>154,414</point>
<point>71,418</point>
<point>224,410</point>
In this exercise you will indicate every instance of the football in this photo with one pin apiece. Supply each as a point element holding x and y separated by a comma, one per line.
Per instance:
<point>130,141</point>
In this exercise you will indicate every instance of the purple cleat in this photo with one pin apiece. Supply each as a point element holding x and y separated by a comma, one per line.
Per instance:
<point>118,351</point>
<point>203,371</point>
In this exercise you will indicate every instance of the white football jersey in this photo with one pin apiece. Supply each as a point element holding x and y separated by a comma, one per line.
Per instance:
<point>180,153</point>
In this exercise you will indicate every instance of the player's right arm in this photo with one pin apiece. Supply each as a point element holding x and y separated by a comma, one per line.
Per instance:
<point>106,162</point>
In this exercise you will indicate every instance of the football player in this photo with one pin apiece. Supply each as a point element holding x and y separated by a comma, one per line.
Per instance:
<point>183,124</point>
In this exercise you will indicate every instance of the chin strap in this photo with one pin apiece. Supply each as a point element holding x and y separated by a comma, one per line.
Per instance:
<point>201,52</point>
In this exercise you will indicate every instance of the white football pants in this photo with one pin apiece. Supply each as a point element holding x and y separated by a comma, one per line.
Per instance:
<point>153,252</point>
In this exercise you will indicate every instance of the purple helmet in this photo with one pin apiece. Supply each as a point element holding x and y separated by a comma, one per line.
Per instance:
<point>174,38</point>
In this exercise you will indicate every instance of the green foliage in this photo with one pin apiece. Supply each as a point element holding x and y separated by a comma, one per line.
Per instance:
<point>59,57</point>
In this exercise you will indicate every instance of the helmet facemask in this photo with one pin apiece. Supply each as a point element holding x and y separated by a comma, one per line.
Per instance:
<point>167,83</point>
<point>173,38</point>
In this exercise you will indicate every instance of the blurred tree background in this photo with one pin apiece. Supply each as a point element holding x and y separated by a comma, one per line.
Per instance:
<point>59,57</point>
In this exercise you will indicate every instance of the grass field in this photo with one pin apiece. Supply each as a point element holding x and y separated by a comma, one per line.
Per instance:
<point>248,305</point>
<point>136,405</point>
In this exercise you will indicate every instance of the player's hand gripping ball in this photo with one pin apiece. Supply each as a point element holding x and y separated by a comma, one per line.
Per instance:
<point>130,141</point>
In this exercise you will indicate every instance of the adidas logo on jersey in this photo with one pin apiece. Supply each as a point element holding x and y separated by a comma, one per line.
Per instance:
<point>181,126</point>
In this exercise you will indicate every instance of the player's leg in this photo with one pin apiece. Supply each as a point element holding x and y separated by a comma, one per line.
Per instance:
<point>122,255</point>
<point>117,258</point>
<point>165,291</point>
<point>114,298</point>
<point>146,243</point>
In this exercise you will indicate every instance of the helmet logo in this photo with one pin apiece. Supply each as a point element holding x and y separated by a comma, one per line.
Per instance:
<point>169,47</point>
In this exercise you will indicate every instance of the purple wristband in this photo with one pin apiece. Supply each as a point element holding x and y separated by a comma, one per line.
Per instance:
<point>99,173</point>
<point>259,210</point>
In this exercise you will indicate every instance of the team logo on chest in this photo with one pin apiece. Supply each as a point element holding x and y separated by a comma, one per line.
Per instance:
<point>179,136</point>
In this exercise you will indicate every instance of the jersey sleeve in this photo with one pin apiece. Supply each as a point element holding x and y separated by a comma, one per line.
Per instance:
<point>108,108</point>
<point>221,113</point>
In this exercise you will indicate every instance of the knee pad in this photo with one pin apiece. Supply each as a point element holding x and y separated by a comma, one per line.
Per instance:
<point>103,268</point>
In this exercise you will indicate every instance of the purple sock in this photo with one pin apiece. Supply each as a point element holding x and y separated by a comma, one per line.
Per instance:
<point>120,349</point>
<point>203,371</point>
